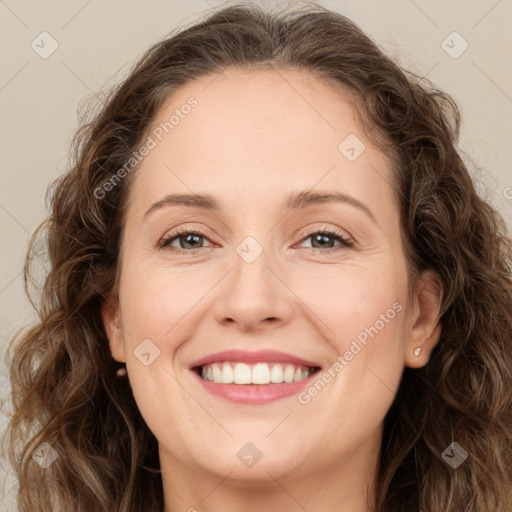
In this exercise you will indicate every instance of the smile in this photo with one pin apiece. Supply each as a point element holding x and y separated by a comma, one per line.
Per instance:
<point>262,373</point>
<point>245,377</point>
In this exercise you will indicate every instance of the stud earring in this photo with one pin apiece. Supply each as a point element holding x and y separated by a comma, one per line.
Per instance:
<point>417,351</point>
<point>121,372</point>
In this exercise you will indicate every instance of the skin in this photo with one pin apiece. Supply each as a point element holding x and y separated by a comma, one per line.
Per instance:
<point>254,138</point>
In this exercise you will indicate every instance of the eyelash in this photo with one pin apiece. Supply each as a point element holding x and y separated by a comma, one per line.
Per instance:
<point>334,233</point>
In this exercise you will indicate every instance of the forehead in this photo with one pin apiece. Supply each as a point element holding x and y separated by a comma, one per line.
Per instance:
<point>255,112</point>
<point>260,131</point>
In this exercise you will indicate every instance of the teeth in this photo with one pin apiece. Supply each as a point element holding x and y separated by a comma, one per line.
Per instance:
<point>276,374</point>
<point>260,373</point>
<point>289,373</point>
<point>226,375</point>
<point>241,374</point>
<point>216,373</point>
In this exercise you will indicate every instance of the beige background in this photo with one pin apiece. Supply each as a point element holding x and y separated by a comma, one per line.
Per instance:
<point>98,41</point>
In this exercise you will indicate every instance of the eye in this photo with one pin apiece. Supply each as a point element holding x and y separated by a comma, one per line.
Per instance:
<point>187,239</point>
<point>322,239</point>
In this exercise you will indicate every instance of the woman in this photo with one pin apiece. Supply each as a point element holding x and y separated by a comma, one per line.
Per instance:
<point>272,286</point>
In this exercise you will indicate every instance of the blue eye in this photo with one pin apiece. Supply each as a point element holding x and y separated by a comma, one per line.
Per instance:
<point>189,240</point>
<point>322,238</point>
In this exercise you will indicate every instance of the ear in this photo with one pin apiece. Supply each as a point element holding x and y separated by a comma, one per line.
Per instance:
<point>110,315</point>
<point>425,328</point>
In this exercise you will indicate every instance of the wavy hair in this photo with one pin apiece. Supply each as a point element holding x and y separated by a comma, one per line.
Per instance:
<point>64,386</point>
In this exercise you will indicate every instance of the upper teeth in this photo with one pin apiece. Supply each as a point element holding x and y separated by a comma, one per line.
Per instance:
<point>260,373</point>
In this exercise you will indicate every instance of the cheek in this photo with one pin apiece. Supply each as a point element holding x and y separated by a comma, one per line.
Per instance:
<point>351,300</point>
<point>365,311</point>
<point>158,305</point>
<point>362,315</point>
<point>157,300</point>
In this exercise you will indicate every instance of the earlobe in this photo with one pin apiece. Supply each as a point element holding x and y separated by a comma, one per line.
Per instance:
<point>110,315</point>
<point>425,330</point>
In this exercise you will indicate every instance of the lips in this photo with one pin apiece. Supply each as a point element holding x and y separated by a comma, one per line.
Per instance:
<point>262,356</point>
<point>253,377</point>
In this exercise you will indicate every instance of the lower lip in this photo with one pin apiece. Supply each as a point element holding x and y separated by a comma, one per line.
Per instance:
<point>254,393</point>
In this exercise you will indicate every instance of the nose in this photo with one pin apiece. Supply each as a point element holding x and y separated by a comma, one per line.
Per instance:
<point>254,295</point>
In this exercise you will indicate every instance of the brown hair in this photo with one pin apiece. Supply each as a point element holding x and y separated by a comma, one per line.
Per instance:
<point>64,389</point>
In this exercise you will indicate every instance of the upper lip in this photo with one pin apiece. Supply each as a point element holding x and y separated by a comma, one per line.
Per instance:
<point>261,356</point>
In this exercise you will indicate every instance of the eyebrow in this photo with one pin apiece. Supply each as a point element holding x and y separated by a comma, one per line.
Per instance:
<point>294,201</point>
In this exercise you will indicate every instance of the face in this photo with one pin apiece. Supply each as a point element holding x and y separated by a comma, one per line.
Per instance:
<point>269,279</point>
